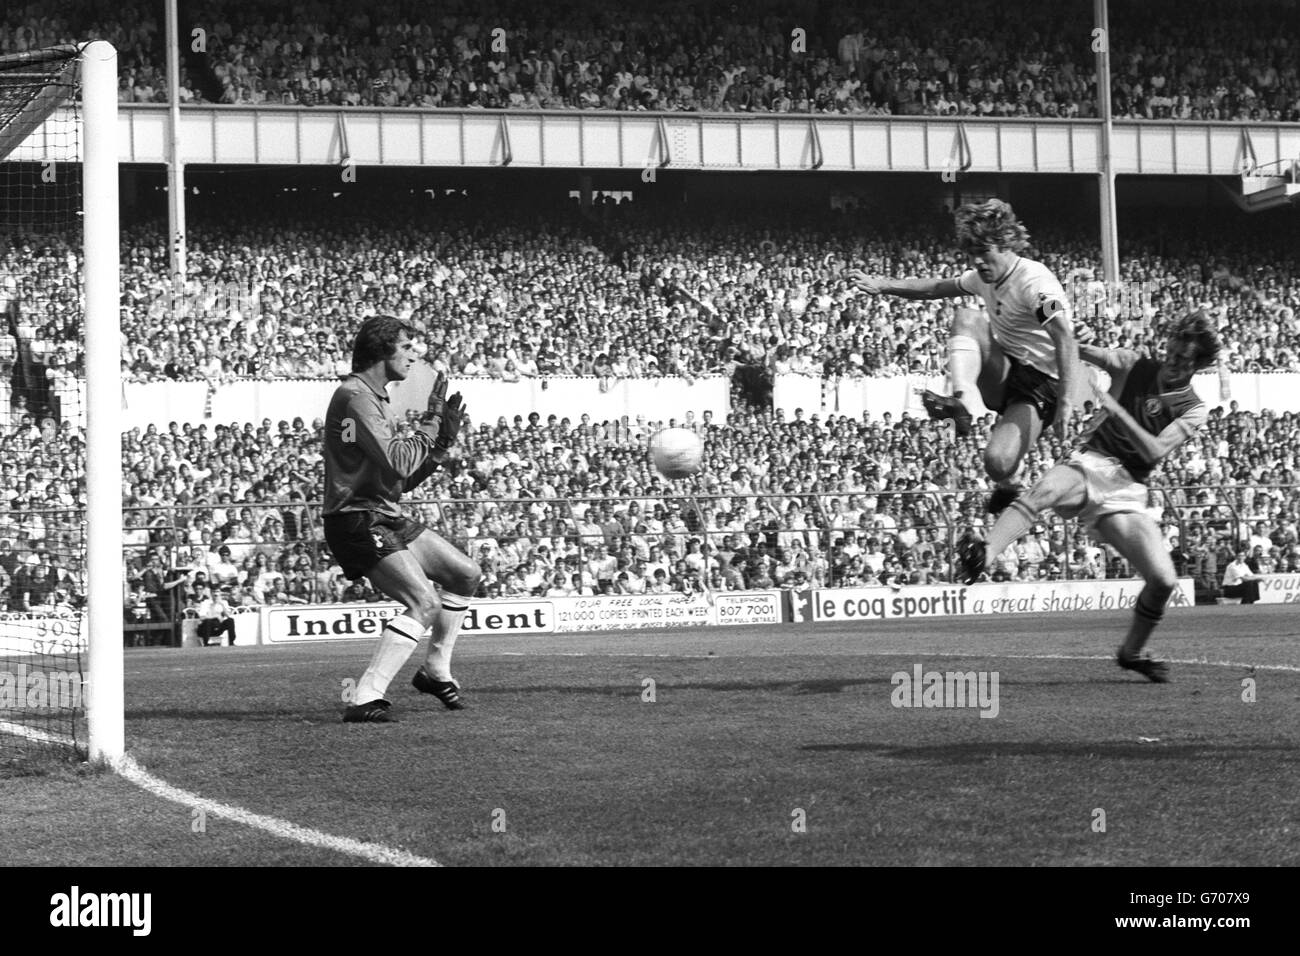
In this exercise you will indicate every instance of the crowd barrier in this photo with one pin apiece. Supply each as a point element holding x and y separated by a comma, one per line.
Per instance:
<point>25,634</point>
<point>1252,391</point>
<point>658,399</point>
<point>546,615</point>
<point>1279,589</point>
<point>987,600</point>
<point>295,624</point>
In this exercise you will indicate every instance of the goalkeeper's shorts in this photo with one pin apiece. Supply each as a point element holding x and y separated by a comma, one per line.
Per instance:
<point>361,539</point>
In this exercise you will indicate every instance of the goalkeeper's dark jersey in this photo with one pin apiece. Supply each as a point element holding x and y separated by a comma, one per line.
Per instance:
<point>367,466</point>
<point>1155,410</point>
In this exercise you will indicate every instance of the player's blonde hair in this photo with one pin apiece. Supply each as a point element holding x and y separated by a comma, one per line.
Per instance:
<point>983,225</point>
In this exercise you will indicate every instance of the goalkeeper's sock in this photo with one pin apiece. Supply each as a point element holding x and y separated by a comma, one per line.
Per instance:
<point>442,640</point>
<point>1011,524</point>
<point>396,644</point>
<point>964,363</point>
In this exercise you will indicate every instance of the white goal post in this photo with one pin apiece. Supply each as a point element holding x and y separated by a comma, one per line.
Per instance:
<point>105,697</point>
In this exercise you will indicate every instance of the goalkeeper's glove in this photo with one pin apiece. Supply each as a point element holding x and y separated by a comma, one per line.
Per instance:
<point>453,414</point>
<point>437,399</point>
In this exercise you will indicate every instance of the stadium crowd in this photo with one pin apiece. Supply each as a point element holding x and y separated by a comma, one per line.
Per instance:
<point>224,514</point>
<point>620,292</point>
<point>557,507</point>
<point>1194,60</point>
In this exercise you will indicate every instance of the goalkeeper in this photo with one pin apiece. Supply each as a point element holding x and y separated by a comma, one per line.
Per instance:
<point>367,468</point>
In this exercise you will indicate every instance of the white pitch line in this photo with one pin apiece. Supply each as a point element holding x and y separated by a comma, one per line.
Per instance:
<point>702,657</point>
<point>132,771</point>
<point>1202,662</point>
<point>31,733</point>
<point>912,651</point>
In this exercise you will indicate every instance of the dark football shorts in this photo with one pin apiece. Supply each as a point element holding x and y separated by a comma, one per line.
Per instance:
<point>361,539</point>
<point>1026,385</point>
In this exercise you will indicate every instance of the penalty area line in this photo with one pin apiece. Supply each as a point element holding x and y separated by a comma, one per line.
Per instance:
<point>133,772</point>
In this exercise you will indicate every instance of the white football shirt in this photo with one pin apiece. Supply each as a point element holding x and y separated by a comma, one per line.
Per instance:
<point>1012,304</point>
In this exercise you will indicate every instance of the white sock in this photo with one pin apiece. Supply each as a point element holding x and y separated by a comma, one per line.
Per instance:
<point>964,363</point>
<point>396,644</point>
<point>446,628</point>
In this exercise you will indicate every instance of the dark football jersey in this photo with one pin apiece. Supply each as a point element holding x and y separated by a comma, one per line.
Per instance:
<point>1154,409</point>
<point>367,466</point>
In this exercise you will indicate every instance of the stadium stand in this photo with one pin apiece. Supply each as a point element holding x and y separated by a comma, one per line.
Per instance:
<point>233,510</point>
<point>632,293</point>
<point>617,291</point>
<point>1194,60</point>
<point>628,291</point>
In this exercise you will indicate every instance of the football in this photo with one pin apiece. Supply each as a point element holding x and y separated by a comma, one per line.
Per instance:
<point>676,452</point>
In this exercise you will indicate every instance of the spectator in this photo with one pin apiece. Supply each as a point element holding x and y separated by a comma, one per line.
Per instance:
<point>1239,581</point>
<point>214,618</point>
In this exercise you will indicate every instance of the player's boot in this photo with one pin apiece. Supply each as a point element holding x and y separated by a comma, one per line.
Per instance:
<point>447,691</point>
<point>1153,670</point>
<point>1003,495</point>
<point>948,406</point>
<point>371,712</point>
<point>970,558</point>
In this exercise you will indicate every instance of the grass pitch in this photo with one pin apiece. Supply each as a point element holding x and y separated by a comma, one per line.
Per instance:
<point>761,746</point>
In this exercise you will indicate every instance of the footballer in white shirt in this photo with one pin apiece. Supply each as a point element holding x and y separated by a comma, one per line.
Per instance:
<point>1020,354</point>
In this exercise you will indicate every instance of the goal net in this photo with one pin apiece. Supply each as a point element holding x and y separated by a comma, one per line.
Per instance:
<point>45,418</point>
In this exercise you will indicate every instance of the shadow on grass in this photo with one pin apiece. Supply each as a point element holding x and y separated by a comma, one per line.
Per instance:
<point>632,690</point>
<point>822,686</point>
<point>979,752</point>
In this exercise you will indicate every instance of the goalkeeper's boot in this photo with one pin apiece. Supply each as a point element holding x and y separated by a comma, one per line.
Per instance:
<point>948,406</point>
<point>1003,495</point>
<point>970,558</point>
<point>371,712</point>
<point>1153,670</point>
<point>447,691</point>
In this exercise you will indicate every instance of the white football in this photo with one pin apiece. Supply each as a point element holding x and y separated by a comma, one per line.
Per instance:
<point>676,452</point>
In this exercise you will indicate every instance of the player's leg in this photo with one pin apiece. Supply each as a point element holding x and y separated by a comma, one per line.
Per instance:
<point>975,363</point>
<point>459,576</point>
<point>1139,540</point>
<point>1064,489</point>
<point>368,544</point>
<point>1030,401</point>
<point>399,577</point>
<point>1010,440</point>
<point>994,366</point>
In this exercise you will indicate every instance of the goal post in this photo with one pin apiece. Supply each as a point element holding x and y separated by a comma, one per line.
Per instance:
<point>61,633</point>
<point>105,698</point>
